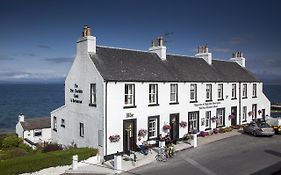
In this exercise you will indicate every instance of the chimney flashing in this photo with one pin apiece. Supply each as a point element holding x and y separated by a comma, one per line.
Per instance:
<point>160,50</point>
<point>87,43</point>
<point>203,52</point>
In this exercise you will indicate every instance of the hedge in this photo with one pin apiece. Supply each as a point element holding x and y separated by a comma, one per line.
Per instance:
<point>38,161</point>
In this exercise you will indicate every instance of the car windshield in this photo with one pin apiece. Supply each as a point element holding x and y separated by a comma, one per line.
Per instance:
<point>263,125</point>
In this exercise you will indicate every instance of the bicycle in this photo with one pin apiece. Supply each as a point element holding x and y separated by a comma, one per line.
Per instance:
<point>161,156</point>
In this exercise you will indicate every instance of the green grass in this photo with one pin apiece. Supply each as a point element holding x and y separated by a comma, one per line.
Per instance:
<point>38,161</point>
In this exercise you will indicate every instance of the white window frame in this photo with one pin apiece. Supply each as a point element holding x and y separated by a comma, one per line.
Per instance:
<point>153,94</point>
<point>81,129</point>
<point>208,119</point>
<point>129,99</point>
<point>62,123</point>
<point>233,91</point>
<point>244,115</point>
<point>220,117</point>
<point>153,127</point>
<point>208,92</point>
<point>193,120</point>
<point>244,91</point>
<point>173,93</point>
<point>93,94</point>
<point>254,90</point>
<point>36,131</point>
<point>193,92</point>
<point>220,91</point>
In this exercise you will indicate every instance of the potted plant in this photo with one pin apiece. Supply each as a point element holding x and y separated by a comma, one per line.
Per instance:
<point>231,116</point>
<point>166,127</point>
<point>259,111</point>
<point>250,113</point>
<point>183,124</point>
<point>114,138</point>
<point>142,132</point>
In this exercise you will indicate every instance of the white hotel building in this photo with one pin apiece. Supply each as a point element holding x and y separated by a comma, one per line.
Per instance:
<point>112,93</point>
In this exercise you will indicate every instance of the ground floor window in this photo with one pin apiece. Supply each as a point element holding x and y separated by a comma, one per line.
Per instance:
<point>153,127</point>
<point>38,132</point>
<point>220,117</point>
<point>208,119</point>
<point>193,121</point>
<point>82,129</point>
<point>55,123</point>
<point>244,116</point>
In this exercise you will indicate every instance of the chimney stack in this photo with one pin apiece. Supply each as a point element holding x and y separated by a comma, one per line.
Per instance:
<point>238,57</point>
<point>21,117</point>
<point>87,43</point>
<point>160,50</point>
<point>203,52</point>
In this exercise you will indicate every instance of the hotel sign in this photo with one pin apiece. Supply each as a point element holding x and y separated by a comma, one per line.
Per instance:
<point>207,105</point>
<point>76,94</point>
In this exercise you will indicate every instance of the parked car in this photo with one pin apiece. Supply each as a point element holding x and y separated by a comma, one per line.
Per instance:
<point>258,128</point>
<point>275,123</point>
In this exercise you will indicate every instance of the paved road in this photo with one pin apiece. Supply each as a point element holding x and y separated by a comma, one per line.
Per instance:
<point>238,155</point>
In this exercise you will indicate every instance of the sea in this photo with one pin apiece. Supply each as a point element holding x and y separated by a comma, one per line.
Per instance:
<point>38,100</point>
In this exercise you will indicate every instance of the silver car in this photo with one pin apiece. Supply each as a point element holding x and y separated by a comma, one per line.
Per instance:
<point>259,129</point>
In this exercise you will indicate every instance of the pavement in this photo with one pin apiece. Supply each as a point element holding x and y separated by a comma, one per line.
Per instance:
<point>128,162</point>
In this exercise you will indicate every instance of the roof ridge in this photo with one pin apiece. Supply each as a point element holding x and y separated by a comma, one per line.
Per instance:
<point>121,48</point>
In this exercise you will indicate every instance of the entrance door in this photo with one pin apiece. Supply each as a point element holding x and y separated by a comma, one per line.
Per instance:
<point>174,123</point>
<point>129,136</point>
<point>234,113</point>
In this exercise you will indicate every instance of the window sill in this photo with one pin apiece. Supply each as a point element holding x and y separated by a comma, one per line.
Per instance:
<point>94,105</point>
<point>153,138</point>
<point>55,130</point>
<point>207,129</point>
<point>174,103</point>
<point>244,121</point>
<point>220,99</point>
<point>62,126</point>
<point>244,97</point>
<point>153,105</point>
<point>193,101</point>
<point>254,97</point>
<point>234,98</point>
<point>208,100</point>
<point>220,126</point>
<point>82,136</point>
<point>126,107</point>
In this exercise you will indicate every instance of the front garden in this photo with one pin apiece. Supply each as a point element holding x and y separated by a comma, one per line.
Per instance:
<point>17,158</point>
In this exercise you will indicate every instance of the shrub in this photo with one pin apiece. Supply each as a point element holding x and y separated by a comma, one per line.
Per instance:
<point>25,147</point>
<point>215,131</point>
<point>39,160</point>
<point>52,147</point>
<point>11,142</point>
<point>2,137</point>
<point>203,133</point>
<point>222,130</point>
<point>228,129</point>
<point>17,152</point>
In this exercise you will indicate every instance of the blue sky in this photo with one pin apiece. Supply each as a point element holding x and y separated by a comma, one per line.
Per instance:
<point>37,38</point>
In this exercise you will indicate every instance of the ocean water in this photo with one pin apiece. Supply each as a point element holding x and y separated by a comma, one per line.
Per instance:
<point>38,100</point>
<point>33,100</point>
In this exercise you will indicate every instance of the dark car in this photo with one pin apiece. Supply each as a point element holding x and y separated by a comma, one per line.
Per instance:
<point>258,128</point>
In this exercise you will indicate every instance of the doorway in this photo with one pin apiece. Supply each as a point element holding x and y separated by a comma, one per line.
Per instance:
<point>174,123</point>
<point>234,114</point>
<point>129,136</point>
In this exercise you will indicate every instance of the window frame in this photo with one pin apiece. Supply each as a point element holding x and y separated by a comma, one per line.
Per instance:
<point>220,118</point>
<point>193,119</point>
<point>244,113</point>
<point>37,131</point>
<point>244,91</point>
<point>157,129</point>
<point>155,94</point>
<point>208,92</point>
<point>93,95</point>
<point>81,129</point>
<point>55,126</point>
<point>62,123</point>
<point>233,91</point>
<point>208,117</point>
<point>131,95</point>
<point>193,90</point>
<point>220,91</point>
<point>254,90</point>
<point>175,93</point>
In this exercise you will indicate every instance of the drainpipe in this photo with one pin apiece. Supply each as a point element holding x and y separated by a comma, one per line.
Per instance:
<point>239,103</point>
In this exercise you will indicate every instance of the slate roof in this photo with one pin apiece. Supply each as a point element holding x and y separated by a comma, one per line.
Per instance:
<point>116,64</point>
<point>36,123</point>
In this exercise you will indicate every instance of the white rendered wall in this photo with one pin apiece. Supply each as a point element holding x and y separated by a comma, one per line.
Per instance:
<point>19,130</point>
<point>46,135</point>
<point>82,73</point>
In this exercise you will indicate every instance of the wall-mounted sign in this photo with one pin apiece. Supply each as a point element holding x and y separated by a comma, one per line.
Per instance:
<point>76,92</point>
<point>207,105</point>
<point>129,115</point>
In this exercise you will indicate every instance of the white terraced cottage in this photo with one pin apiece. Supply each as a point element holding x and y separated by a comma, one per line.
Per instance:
<point>113,96</point>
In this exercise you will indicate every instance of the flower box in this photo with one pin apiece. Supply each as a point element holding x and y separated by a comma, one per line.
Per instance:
<point>166,127</point>
<point>142,132</point>
<point>114,138</point>
<point>183,124</point>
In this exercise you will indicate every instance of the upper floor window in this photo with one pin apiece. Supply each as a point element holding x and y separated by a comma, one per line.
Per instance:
<point>93,94</point>
<point>244,91</point>
<point>55,123</point>
<point>193,92</point>
<point>37,132</point>
<point>233,91</point>
<point>174,93</point>
<point>208,92</point>
<point>254,90</point>
<point>129,94</point>
<point>62,123</point>
<point>82,129</point>
<point>220,91</point>
<point>153,93</point>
